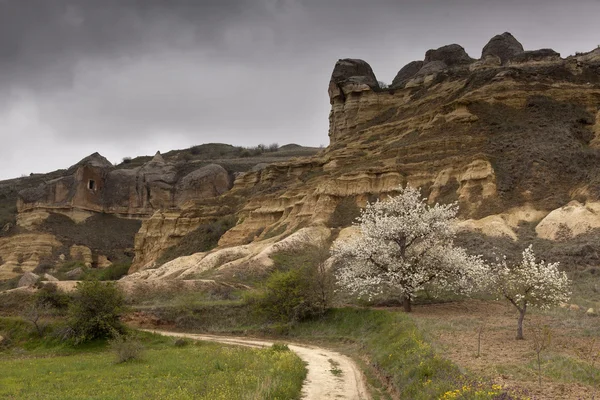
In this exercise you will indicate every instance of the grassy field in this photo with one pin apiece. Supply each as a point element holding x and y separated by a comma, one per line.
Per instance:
<point>45,369</point>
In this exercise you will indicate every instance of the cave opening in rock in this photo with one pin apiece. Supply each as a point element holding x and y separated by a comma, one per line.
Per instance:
<point>92,184</point>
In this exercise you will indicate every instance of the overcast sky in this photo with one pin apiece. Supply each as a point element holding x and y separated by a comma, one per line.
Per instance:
<point>129,77</point>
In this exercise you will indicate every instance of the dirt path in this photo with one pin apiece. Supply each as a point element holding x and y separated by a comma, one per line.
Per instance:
<point>330,375</point>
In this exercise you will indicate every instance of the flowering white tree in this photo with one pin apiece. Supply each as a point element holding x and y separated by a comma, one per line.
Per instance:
<point>404,245</point>
<point>530,283</point>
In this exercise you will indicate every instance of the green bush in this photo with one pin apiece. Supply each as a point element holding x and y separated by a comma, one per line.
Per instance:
<point>111,273</point>
<point>49,295</point>
<point>296,292</point>
<point>95,311</point>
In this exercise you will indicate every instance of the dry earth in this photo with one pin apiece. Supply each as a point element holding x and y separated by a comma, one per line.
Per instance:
<point>455,326</point>
<point>324,379</point>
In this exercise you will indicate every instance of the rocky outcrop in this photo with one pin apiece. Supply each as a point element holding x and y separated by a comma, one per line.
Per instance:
<point>406,73</point>
<point>23,252</point>
<point>451,55</point>
<point>28,279</point>
<point>541,55</point>
<point>94,185</point>
<point>503,46</point>
<point>352,72</point>
<point>569,221</point>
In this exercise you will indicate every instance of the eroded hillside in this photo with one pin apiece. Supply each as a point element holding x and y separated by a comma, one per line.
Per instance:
<point>513,136</point>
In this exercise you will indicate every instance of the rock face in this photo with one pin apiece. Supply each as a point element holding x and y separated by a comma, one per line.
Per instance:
<point>94,185</point>
<point>25,252</point>
<point>353,72</point>
<point>450,55</point>
<point>513,137</point>
<point>503,46</point>
<point>406,73</point>
<point>28,279</point>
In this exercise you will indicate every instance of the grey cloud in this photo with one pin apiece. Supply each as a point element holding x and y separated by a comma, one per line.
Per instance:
<point>128,77</point>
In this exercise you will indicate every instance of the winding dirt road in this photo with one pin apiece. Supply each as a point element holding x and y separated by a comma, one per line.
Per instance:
<point>331,375</point>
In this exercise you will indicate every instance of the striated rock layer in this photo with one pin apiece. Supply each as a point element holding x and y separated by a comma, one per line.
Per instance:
<point>511,136</point>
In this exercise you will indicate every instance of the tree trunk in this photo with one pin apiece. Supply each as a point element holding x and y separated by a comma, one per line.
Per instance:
<point>520,326</point>
<point>406,304</point>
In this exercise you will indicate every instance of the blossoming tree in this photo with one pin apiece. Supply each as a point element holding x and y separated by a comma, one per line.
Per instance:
<point>530,283</point>
<point>405,244</point>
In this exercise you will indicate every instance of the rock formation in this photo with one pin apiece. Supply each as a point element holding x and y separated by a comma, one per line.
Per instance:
<point>503,46</point>
<point>511,137</point>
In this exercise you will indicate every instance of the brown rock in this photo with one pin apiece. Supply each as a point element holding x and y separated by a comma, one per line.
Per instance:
<point>353,71</point>
<point>406,73</point>
<point>81,253</point>
<point>504,46</point>
<point>451,55</point>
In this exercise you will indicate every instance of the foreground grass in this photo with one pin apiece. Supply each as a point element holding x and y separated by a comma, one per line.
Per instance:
<point>389,345</point>
<point>196,370</point>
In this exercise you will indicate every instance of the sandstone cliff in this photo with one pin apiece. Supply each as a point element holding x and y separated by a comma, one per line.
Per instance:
<point>511,136</point>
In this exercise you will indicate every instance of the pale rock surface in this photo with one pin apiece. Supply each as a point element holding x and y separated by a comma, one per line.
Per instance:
<point>25,251</point>
<point>492,225</point>
<point>591,312</point>
<point>81,253</point>
<point>255,256</point>
<point>49,278</point>
<point>103,261</point>
<point>574,219</point>
<point>28,279</point>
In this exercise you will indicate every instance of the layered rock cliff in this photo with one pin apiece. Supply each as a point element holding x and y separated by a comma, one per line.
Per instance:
<point>513,136</point>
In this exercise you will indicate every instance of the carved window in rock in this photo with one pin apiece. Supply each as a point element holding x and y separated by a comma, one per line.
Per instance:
<point>92,185</point>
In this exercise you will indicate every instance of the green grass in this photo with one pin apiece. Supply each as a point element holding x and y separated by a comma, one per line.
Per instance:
<point>393,344</point>
<point>556,367</point>
<point>46,368</point>
<point>200,371</point>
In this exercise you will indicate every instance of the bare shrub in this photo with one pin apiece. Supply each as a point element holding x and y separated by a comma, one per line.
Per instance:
<point>126,348</point>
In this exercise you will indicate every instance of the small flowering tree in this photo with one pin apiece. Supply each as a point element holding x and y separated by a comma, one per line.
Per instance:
<point>530,283</point>
<point>404,245</point>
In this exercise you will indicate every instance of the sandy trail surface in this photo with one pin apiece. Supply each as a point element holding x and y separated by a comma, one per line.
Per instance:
<point>331,375</point>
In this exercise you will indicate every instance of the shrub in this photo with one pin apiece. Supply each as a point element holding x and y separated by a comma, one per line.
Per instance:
<point>95,311</point>
<point>294,293</point>
<point>49,295</point>
<point>126,348</point>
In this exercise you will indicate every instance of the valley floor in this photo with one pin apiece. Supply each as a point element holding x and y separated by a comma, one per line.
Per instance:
<point>569,365</point>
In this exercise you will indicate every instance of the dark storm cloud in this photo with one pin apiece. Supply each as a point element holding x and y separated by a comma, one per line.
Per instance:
<point>128,77</point>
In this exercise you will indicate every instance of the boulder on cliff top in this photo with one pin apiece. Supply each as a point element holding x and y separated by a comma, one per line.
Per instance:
<point>406,73</point>
<point>350,70</point>
<point>28,279</point>
<point>208,181</point>
<point>432,68</point>
<point>504,46</point>
<point>95,160</point>
<point>452,54</point>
